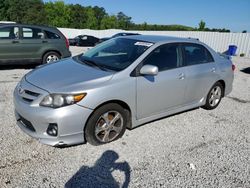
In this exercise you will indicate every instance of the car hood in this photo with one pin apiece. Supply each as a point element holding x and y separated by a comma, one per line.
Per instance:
<point>67,76</point>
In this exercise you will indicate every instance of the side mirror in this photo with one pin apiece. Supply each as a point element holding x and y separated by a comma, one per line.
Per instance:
<point>149,70</point>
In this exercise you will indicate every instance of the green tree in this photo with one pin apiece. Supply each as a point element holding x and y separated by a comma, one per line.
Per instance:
<point>91,22</point>
<point>109,22</point>
<point>202,25</point>
<point>32,16</point>
<point>24,11</point>
<point>58,14</point>
<point>100,13</point>
<point>4,6</point>
<point>124,21</point>
<point>78,16</point>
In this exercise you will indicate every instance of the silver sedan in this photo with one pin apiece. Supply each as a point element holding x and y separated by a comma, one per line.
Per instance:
<point>121,83</point>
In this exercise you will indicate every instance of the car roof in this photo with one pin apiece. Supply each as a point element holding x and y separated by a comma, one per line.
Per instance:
<point>28,25</point>
<point>160,38</point>
<point>126,33</point>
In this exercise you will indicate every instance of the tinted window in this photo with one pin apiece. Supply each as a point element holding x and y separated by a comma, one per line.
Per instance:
<point>9,33</point>
<point>51,35</point>
<point>196,54</point>
<point>32,33</point>
<point>165,57</point>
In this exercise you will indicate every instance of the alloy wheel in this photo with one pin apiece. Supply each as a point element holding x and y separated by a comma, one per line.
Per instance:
<point>215,96</point>
<point>109,126</point>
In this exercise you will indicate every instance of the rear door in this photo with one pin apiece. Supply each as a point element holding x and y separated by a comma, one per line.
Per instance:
<point>33,41</point>
<point>10,48</point>
<point>201,72</point>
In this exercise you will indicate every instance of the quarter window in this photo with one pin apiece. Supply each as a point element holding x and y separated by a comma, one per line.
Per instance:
<point>32,33</point>
<point>165,57</point>
<point>51,35</point>
<point>9,33</point>
<point>196,54</point>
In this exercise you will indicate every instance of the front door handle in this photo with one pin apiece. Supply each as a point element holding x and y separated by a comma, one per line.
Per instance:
<point>15,41</point>
<point>182,76</point>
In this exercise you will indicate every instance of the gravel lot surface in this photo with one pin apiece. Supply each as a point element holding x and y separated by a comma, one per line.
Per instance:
<point>197,148</point>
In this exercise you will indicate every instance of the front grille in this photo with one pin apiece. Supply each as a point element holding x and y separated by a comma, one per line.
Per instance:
<point>26,99</point>
<point>29,96</point>
<point>31,93</point>
<point>27,124</point>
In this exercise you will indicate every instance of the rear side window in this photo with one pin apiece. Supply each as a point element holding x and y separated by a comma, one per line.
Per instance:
<point>9,32</point>
<point>32,33</point>
<point>165,57</point>
<point>51,35</point>
<point>196,54</point>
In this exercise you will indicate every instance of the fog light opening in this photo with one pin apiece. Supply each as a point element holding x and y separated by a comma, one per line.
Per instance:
<point>52,129</point>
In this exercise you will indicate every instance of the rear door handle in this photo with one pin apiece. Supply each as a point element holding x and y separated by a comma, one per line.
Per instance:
<point>15,41</point>
<point>213,69</point>
<point>182,76</point>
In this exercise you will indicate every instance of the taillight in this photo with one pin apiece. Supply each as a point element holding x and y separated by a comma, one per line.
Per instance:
<point>233,67</point>
<point>67,42</point>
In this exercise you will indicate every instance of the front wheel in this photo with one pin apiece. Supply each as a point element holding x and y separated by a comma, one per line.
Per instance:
<point>107,123</point>
<point>214,96</point>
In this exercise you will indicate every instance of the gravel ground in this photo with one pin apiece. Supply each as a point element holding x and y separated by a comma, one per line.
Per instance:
<point>197,148</point>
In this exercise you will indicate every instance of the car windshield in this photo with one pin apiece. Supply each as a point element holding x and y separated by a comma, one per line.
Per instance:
<point>115,54</point>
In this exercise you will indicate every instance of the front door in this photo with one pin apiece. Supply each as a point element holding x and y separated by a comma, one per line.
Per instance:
<point>165,91</point>
<point>10,46</point>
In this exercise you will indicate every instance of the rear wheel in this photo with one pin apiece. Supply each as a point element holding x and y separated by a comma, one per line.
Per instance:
<point>50,57</point>
<point>107,123</point>
<point>214,96</point>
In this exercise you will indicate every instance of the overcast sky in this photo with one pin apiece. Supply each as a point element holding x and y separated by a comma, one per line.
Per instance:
<point>230,14</point>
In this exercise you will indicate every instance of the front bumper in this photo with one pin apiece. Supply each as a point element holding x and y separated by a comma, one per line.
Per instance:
<point>34,119</point>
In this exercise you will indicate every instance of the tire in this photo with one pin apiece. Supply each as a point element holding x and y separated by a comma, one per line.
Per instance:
<point>213,99</point>
<point>54,55</point>
<point>100,129</point>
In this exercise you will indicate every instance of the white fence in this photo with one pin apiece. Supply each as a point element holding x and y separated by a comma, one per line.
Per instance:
<point>218,41</point>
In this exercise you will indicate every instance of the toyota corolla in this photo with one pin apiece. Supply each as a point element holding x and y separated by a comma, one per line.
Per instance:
<point>121,83</point>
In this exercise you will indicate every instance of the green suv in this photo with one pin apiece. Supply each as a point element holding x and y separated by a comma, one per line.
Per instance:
<point>24,44</point>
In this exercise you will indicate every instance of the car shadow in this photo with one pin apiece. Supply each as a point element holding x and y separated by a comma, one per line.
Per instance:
<point>246,70</point>
<point>100,175</point>
<point>10,67</point>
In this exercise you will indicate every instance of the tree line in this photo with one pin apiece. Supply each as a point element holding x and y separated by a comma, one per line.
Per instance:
<point>59,14</point>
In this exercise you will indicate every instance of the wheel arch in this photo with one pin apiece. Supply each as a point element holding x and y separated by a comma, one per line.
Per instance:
<point>119,102</point>
<point>222,82</point>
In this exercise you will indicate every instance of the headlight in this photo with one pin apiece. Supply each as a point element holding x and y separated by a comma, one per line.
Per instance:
<point>60,100</point>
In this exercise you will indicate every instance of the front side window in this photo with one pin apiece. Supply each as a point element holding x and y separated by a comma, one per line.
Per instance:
<point>116,54</point>
<point>196,54</point>
<point>32,33</point>
<point>165,57</point>
<point>9,32</point>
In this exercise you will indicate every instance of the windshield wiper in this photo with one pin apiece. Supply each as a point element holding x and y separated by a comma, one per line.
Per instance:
<point>93,63</point>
